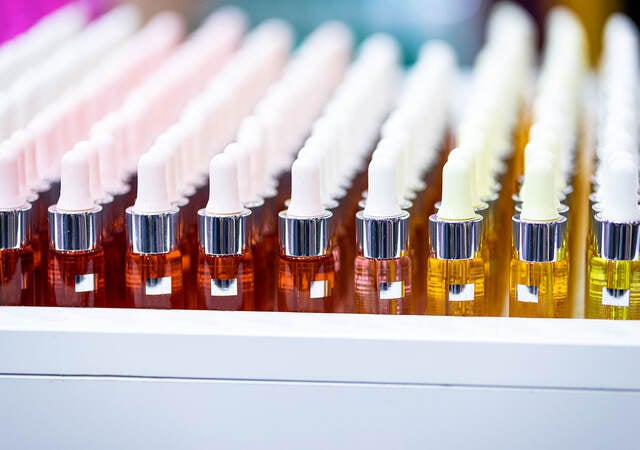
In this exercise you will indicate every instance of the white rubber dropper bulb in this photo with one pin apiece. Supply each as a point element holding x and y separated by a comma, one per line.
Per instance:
<point>224,196</point>
<point>95,180</point>
<point>10,196</point>
<point>75,187</point>
<point>153,195</point>
<point>620,196</point>
<point>382,200</point>
<point>306,196</point>
<point>456,201</point>
<point>240,154</point>
<point>539,198</point>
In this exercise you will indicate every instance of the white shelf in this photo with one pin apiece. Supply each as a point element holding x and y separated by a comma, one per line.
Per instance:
<point>100,378</point>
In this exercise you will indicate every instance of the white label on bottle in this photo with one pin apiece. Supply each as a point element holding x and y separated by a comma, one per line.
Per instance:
<point>392,290</point>
<point>85,282</point>
<point>224,288</point>
<point>462,292</point>
<point>157,286</point>
<point>526,294</point>
<point>319,289</point>
<point>615,297</point>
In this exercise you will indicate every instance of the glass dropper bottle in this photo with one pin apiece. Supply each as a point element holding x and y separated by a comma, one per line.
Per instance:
<point>225,275</point>
<point>306,270</point>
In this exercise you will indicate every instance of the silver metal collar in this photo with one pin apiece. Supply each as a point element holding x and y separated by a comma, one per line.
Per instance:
<point>153,233</point>
<point>301,237</point>
<point>224,235</point>
<point>617,241</point>
<point>455,239</point>
<point>75,231</point>
<point>15,227</point>
<point>382,238</point>
<point>539,241</point>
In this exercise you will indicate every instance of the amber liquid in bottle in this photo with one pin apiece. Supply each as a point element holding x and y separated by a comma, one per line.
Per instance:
<point>17,281</point>
<point>226,282</point>
<point>539,289</point>
<point>115,249</point>
<point>306,284</point>
<point>383,286</point>
<point>455,287</point>
<point>154,280</point>
<point>76,278</point>
<point>613,289</point>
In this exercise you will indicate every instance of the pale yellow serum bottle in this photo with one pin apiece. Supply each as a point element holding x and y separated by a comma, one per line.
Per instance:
<point>456,270</point>
<point>613,268</point>
<point>539,272</point>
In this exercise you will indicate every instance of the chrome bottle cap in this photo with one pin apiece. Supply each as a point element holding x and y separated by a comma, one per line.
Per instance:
<point>301,237</point>
<point>455,239</point>
<point>539,241</point>
<point>616,240</point>
<point>224,235</point>
<point>75,231</point>
<point>382,238</point>
<point>15,227</point>
<point>152,233</point>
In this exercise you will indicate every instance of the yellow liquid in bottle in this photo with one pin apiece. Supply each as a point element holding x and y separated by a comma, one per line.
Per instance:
<point>619,281</point>
<point>455,287</point>
<point>539,289</point>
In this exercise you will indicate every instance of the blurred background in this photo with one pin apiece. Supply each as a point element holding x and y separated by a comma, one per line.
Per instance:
<point>459,22</point>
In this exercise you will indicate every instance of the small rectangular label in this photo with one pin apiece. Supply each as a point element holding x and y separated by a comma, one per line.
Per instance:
<point>85,282</point>
<point>392,290</point>
<point>319,289</point>
<point>526,294</point>
<point>462,292</point>
<point>615,297</point>
<point>224,288</point>
<point>158,286</point>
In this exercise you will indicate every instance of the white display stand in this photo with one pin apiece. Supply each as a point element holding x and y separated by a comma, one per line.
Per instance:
<point>145,379</point>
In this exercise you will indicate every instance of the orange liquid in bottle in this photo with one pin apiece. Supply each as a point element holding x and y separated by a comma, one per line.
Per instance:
<point>17,282</point>
<point>76,278</point>
<point>115,248</point>
<point>383,286</point>
<point>306,284</point>
<point>265,249</point>
<point>226,282</point>
<point>154,280</point>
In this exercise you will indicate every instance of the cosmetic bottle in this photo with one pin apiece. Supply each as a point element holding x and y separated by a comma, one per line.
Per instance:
<point>153,262</point>
<point>17,281</point>
<point>382,266</point>
<point>264,240</point>
<point>306,268</point>
<point>225,276</point>
<point>539,272</point>
<point>76,266</point>
<point>455,269</point>
<point>115,245</point>
<point>613,266</point>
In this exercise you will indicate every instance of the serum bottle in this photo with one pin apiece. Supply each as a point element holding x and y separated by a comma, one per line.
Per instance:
<point>306,270</point>
<point>539,272</point>
<point>76,267</point>
<point>153,276</point>
<point>225,275</point>
<point>17,283</point>
<point>613,268</point>
<point>382,266</point>
<point>455,268</point>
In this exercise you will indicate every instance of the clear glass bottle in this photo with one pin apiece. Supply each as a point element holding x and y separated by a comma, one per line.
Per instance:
<point>539,271</point>
<point>226,282</point>
<point>305,284</point>
<point>76,278</point>
<point>382,278</point>
<point>154,280</point>
<point>383,286</point>
<point>17,281</point>
<point>455,268</point>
